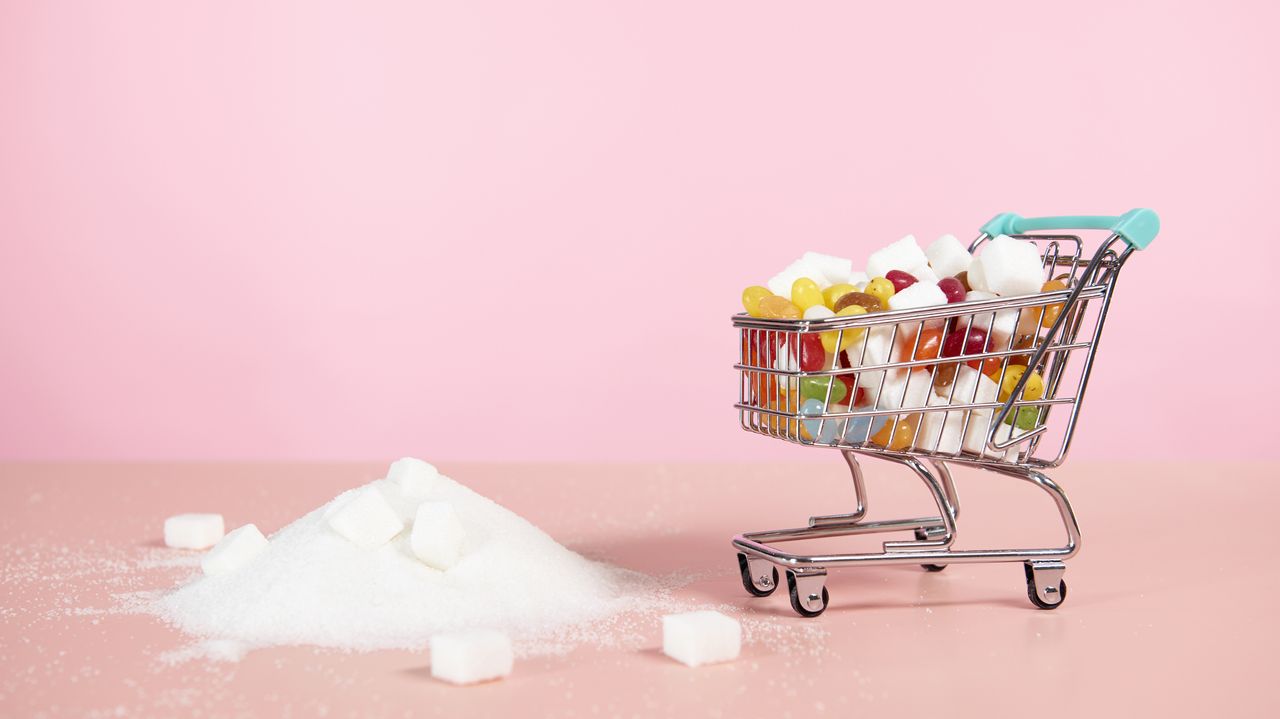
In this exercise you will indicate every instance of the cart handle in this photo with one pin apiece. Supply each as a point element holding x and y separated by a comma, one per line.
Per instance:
<point>1138,227</point>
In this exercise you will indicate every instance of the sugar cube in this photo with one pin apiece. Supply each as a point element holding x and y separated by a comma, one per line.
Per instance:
<point>468,657</point>
<point>971,387</point>
<point>948,256</point>
<point>437,535</point>
<point>818,312</point>
<point>780,284</point>
<point>366,519</point>
<point>920,294</point>
<point>193,531</point>
<point>235,550</point>
<point>941,431</point>
<point>924,274</point>
<point>414,477</point>
<point>704,637</point>
<point>901,255</point>
<point>858,280</point>
<point>906,390</point>
<point>975,438</point>
<point>874,348</point>
<point>998,325</point>
<point>835,270</point>
<point>977,280</point>
<point>1010,267</point>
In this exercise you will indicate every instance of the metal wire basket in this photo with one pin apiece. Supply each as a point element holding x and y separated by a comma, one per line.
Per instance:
<point>1008,401</point>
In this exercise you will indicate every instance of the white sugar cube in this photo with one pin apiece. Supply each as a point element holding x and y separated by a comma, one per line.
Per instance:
<point>697,638</point>
<point>818,312</point>
<point>977,280</point>
<point>948,256</point>
<point>234,551</point>
<point>835,270</point>
<point>414,477</point>
<point>975,438</point>
<point>941,431</point>
<point>906,390</point>
<point>193,531</point>
<point>859,280</point>
<point>920,294</point>
<point>366,519</point>
<point>472,656</point>
<point>924,275</point>
<point>901,255</point>
<point>971,387</point>
<point>998,325</point>
<point>437,535</point>
<point>874,348</point>
<point>780,284</point>
<point>1010,267</point>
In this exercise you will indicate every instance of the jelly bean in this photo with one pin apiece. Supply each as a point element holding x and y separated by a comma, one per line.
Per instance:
<point>952,288</point>
<point>964,281</point>
<point>1032,391</point>
<point>751,299</point>
<point>805,293</point>
<point>816,388</point>
<point>834,293</point>
<point>862,299</point>
<point>975,341</point>
<point>779,308</point>
<point>1028,418</point>
<point>1052,312</point>
<point>812,355</point>
<point>944,377</point>
<point>899,434</point>
<point>881,289</point>
<point>1023,342</point>
<point>901,280</point>
<point>826,432</point>
<point>849,381</point>
<point>926,345</point>
<point>850,335</point>
<point>860,428</point>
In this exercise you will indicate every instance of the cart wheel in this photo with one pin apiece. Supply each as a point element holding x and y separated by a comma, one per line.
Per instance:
<point>1054,598</point>
<point>796,604</point>
<point>761,586</point>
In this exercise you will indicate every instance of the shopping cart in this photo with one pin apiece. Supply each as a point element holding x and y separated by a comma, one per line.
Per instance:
<point>955,418</point>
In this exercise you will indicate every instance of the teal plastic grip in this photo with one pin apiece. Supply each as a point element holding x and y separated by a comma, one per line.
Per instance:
<point>1138,227</point>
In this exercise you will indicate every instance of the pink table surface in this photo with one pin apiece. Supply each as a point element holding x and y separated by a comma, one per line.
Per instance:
<point>1170,609</point>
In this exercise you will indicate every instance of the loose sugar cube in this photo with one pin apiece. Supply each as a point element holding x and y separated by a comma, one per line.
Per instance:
<point>697,638</point>
<point>901,255</point>
<point>906,391</point>
<point>835,270</point>
<point>437,535</point>
<point>948,256</point>
<point>472,656</point>
<point>414,477</point>
<point>977,280</point>
<point>874,348</point>
<point>234,551</point>
<point>858,280</point>
<point>193,531</point>
<point>924,274</point>
<point>366,520</point>
<point>971,387</point>
<point>1010,267</point>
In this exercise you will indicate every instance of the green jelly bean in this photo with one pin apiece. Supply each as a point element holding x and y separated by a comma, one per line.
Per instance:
<point>816,388</point>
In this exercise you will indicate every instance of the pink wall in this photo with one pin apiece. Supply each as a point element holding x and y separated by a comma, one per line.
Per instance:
<point>517,230</point>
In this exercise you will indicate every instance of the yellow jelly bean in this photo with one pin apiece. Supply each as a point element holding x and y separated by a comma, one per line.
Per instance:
<point>1035,384</point>
<point>881,289</point>
<point>850,335</point>
<point>778,308</point>
<point>835,292</point>
<point>805,293</point>
<point>751,299</point>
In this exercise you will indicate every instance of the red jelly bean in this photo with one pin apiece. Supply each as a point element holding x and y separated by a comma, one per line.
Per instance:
<point>952,288</point>
<point>901,280</point>
<point>812,355</point>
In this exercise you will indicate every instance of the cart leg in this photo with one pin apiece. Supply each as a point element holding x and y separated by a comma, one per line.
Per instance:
<point>946,512</point>
<point>808,590</point>
<point>859,493</point>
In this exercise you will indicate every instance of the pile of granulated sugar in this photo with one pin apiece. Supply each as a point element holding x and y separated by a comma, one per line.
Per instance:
<point>312,586</point>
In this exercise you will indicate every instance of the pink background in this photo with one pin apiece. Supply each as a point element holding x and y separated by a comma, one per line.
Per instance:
<point>517,230</point>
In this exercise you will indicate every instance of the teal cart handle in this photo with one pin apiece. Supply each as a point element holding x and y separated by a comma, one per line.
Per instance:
<point>1138,227</point>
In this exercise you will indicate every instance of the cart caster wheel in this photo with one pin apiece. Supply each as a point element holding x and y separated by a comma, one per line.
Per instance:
<point>756,581</point>
<point>805,598</point>
<point>933,567</point>
<point>1040,584</point>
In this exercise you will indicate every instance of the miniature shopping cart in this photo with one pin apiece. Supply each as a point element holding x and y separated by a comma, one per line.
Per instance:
<point>956,418</point>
